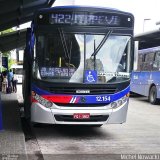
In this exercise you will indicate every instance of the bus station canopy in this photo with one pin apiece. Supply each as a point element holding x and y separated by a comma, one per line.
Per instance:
<point>10,41</point>
<point>148,39</point>
<point>14,13</point>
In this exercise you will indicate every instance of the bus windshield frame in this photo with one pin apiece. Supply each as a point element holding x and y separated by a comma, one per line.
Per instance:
<point>88,56</point>
<point>72,28</point>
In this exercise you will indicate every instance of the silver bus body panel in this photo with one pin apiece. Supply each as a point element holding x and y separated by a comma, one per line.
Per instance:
<point>42,114</point>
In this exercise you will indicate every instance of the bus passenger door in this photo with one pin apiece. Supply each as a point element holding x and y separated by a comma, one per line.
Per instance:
<point>156,72</point>
<point>147,80</point>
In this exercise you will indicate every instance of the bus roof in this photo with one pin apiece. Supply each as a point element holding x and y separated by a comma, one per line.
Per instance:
<point>85,7</point>
<point>148,50</point>
<point>80,6</point>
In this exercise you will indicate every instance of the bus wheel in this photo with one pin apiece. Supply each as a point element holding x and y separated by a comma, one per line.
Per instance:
<point>153,95</point>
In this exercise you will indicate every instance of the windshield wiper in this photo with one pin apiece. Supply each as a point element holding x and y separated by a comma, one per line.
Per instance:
<point>96,50</point>
<point>63,42</point>
<point>67,51</point>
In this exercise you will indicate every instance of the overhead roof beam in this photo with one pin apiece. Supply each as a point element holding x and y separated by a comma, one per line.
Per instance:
<point>10,41</point>
<point>16,12</point>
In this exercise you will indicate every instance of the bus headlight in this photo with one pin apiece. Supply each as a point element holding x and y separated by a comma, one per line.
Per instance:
<point>114,105</point>
<point>119,102</point>
<point>43,101</point>
<point>49,104</point>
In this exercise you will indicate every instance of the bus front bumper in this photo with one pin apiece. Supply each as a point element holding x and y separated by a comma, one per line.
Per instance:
<point>98,116</point>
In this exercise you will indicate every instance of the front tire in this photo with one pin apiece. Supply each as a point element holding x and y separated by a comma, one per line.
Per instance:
<point>153,96</point>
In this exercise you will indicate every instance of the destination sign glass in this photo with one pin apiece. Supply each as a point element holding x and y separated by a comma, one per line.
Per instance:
<point>85,19</point>
<point>56,72</point>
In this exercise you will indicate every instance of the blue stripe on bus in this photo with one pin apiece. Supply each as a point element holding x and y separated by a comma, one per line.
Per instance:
<point>103,98</point>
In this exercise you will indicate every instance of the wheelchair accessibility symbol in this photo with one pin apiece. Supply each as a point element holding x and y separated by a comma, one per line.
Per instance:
<point>90,76</point>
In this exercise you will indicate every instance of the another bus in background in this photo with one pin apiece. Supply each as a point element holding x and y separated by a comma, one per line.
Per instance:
<point>18,69</point>
<point>146,79</point>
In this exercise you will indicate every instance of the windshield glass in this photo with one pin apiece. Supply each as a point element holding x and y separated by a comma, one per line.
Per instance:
<point>82,58</point>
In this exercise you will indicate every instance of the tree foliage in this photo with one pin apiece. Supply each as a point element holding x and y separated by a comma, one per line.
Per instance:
<point>6,31</point>
<point>8,53</point>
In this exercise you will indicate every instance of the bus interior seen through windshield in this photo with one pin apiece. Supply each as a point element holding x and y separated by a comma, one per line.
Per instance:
<point>70,55</point>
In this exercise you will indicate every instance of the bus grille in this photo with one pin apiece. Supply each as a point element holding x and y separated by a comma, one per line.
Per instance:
<point>93,118</point>
<point>72,90</point>
<point>75,105</point>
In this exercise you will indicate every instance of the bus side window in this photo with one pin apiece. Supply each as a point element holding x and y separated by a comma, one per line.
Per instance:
<point>156,64</point>
<point>148,64</point>
<point>143,62</point>
<point>140,62</point>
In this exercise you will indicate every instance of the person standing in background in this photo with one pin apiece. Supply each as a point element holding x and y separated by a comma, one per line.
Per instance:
<point>4,84</point>
<point>14,82</point>
<point>1,80</point>
<point>10,77</point>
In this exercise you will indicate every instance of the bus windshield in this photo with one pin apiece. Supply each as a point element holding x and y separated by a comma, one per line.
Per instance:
<point>82,58</point>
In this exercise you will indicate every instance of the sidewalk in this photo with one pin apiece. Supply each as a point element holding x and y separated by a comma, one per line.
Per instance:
<point>12,140</point>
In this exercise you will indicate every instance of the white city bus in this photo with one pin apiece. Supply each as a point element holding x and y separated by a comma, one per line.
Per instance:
<point>77,65</point>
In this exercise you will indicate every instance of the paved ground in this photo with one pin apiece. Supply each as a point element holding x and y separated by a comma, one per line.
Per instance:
<point>139,135</point>
<point>12,140</point>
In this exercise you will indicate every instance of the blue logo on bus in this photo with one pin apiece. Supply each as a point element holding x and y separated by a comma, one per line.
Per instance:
<point>90,76</point>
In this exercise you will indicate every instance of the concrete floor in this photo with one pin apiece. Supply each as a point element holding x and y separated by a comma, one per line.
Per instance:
<point>139,135</point>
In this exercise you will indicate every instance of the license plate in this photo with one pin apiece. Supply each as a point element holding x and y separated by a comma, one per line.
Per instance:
<point>81,116</point>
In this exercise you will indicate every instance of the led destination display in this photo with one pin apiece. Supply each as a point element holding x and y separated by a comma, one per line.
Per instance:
<point>85,19</point>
